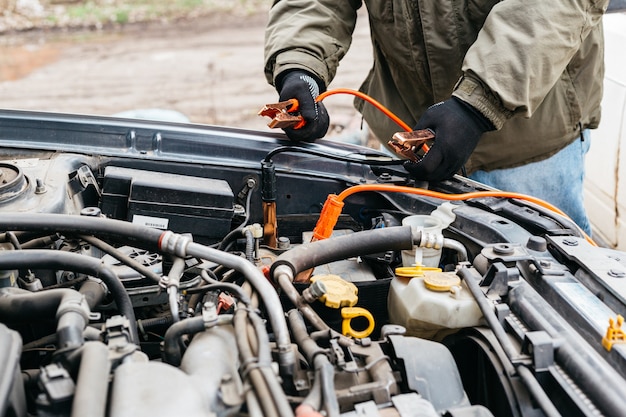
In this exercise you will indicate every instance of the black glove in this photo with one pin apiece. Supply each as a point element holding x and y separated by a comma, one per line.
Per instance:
<point>304,87</point>
<point>457,127</point>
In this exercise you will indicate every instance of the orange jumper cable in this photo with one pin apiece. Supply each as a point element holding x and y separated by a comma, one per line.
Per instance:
<point>334,204</point>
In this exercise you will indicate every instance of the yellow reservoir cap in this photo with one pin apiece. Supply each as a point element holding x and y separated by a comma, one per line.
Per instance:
<point>441,281</point>
<point>414,271</point>
<point>339,292</point>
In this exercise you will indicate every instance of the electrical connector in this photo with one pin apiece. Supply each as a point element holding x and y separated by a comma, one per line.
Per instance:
<point>328,217</point>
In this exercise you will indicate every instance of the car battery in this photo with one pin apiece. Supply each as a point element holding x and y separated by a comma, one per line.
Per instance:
<point>181,203</point>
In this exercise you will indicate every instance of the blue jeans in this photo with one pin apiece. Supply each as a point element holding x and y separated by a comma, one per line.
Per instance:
<point>557,180</point>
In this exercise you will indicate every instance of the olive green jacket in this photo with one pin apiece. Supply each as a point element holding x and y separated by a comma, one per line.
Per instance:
<point>533,67</point>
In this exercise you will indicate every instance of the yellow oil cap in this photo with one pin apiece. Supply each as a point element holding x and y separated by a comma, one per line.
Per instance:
<point>350,313</point>
<point>339,292</point>
<point>441,281</point>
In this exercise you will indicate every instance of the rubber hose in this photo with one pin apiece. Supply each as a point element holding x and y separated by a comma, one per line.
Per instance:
<point>52,259</point>
<point>93,292</point>
<point>329,402</point>
<point>310,349</point>
<point>21,306</point>
<point>253,373</point>
<point>88,334</point>
<point>324,370</point>
<point>487,309</point>
<point>18,305</point>
<point>172,344</point>
<point>117,230</point>
<point>367,242</point>
<point>301,336</point>
<point>249,245</point>
<point>90,397</point>
<point>172,352</point>
<point>265,290</point>
<point>265,360</point>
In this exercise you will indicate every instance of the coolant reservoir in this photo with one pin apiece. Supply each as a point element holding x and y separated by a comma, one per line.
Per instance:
<point>431,303</point>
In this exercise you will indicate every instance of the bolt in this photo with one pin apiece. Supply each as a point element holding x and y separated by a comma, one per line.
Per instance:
<point>40,187</point>
<point>545,264</point>
<point>570,242</point>
<point>384,177</point>
<point>503,249</point>
<point>616,273</point>
<point>91,211</point>
<point>251,183</point>
<point>283,242</point>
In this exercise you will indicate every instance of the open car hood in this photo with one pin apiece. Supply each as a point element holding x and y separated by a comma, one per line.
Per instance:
<point>158,269</point>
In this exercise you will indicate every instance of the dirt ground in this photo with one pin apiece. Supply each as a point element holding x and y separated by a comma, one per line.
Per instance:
<point>210,69</point>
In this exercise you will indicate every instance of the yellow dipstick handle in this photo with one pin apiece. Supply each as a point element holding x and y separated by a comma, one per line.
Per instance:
<point>349,313</point>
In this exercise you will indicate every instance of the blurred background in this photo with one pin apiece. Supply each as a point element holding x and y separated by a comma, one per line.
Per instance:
<point>200,60</point>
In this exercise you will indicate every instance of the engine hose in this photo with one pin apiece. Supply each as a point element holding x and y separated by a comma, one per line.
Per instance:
<point>249,245</point>
<point>116,230</point>
<point>67,305</point>
<point>90,397</point>
<point>284,279</point>
<point>172,352</point>
<point>330,403</point>
<point>49,259</point>
<point>301,336</point>
<point>265,359</point>
<point>40,242</point>
<point>322,392</point>
<point>89,333</point>
<point>94,292</point>
<point>486,308</point>
<point>266,292</point>
<point>252,404</point>
<point>230,238</point>
<point>251,372</point>
<point>13,239</point>
<point>456,246</point>
<point>173,282</point>
<point>314,397</point>
<point>325,251</point>
<point>153,322</point>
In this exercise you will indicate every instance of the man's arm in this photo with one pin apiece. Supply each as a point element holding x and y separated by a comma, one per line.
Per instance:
<point>520,53</point>
<point>308,35</point>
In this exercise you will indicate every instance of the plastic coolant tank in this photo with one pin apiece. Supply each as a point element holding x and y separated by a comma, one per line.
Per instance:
<point>431,303</point>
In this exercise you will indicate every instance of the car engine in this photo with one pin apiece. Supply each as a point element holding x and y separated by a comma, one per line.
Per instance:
<point>159,269</point>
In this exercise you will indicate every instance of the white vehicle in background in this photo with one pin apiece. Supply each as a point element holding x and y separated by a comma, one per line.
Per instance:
<point>605,185</point>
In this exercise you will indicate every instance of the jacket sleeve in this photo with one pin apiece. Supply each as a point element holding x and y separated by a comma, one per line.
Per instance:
<point>521,52</point>
<point>313,35</point>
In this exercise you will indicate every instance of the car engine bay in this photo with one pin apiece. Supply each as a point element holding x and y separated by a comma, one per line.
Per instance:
<point>158,269</point>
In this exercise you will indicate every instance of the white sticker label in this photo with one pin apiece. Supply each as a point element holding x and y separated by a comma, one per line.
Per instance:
<point>156,222</point>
